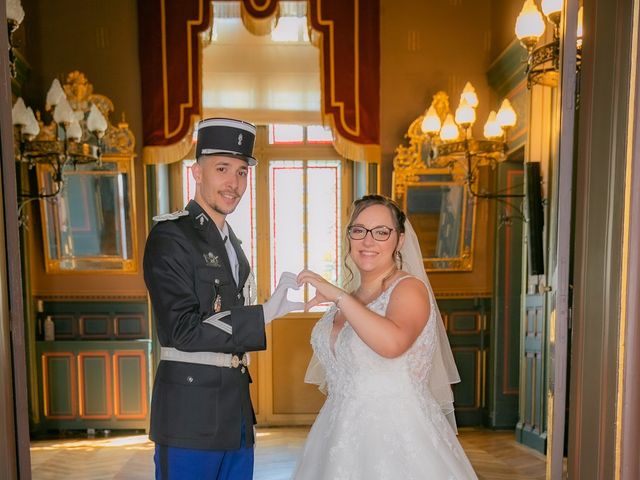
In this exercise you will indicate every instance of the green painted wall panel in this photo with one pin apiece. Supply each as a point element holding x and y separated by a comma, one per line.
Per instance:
<point>98,325</point>
<point>95,389</point>
<point>465,392</point>
<point>531,427</point>
<point>468,336</point>
<point>95,386</point>
<point>504,357</point>
<point>60,386</point>
<point>464,323</point>
<point>129,374</point>
<point>131,325</point>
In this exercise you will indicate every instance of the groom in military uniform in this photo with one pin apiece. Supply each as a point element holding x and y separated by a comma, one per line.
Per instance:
<point>198,278</point>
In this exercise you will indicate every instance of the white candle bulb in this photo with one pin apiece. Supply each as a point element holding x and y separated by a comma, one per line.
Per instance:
<point>506,116</point>
<point>55,94</point>
<point>449,131</point>
<point>63,112</point>
<point>96,122</point>
<point>469,94</point>
<point>32,128</point>
<point>492,130</point>
<point>465,114</point>
<point>431,123</point>
<point>579,30</point>
<point>530,24</point>
<point>19,112</point>
<point>15,11</point>
<point>74,132</point>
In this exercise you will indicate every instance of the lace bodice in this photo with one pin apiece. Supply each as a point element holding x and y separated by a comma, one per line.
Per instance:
<point>352,367</point>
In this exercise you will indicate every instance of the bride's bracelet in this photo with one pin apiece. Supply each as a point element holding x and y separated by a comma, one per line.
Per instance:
<point>337,300</point>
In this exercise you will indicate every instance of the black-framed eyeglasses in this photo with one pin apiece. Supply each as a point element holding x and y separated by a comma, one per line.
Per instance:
<point>379,234</point>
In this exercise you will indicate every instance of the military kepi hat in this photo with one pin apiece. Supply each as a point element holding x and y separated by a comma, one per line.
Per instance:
<point>228,137</point>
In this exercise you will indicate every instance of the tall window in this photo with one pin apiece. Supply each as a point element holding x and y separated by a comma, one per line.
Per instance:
<point>291,215</point>
<point>305,218</point>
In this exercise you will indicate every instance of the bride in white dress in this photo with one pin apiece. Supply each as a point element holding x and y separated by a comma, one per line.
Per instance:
<point>382,354</point>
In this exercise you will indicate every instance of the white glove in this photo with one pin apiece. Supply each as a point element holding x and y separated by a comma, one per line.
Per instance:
<point>279,305</point>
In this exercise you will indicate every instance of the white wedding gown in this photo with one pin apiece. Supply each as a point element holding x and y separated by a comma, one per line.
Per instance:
<point>379,420</point>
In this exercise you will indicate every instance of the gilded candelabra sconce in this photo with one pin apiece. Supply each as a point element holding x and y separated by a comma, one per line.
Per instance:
<point>436,178</point>
<point>15,15</point>
<point>543,62</point>
<point>440,139</point>
<point>74,136</point>
<point>85,179</point>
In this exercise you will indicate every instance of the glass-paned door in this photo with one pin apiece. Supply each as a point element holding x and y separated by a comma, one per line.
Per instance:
<point>306,216</point>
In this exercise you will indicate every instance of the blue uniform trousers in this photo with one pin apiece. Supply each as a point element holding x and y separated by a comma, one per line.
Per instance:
<point>173,463</point>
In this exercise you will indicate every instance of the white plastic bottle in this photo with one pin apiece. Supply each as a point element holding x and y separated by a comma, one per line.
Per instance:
<point>49,330</point>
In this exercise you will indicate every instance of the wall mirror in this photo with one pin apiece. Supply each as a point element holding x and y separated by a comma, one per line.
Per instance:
<point>438,204</point>
<point>442,213</point>
<point>90,225</point>
<point>84,168</point>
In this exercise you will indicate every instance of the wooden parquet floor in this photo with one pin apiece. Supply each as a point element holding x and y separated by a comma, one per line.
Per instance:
<point>494,455</point>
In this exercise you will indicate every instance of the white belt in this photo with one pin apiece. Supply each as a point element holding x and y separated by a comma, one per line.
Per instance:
<point>215,359</point>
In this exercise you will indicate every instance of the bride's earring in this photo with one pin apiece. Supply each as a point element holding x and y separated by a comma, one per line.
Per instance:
<point>399,259</point>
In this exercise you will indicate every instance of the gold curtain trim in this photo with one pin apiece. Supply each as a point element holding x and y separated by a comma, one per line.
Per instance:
<point>164,154</point>
<point>359,152</point>
<point>259,26</point>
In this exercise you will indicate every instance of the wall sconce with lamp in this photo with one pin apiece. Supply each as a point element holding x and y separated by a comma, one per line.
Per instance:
<point>440,139</point>
<point>15,15</point>
<point>543,62</point>
<point>437,181</point>
<point>73,136</point>
<point>79,140</point>
<point>84,169</point>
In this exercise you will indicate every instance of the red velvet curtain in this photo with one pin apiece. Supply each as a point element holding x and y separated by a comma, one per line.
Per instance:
<point>169,51</point>
<point>349,45</point>
<point>346,31</point>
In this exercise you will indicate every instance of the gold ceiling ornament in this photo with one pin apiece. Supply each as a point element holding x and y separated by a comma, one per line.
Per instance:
<point>441,139</point>
<point>79,131</point>
<point>543,62</point>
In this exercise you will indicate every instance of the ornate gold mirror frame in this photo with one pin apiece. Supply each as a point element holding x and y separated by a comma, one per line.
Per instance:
<point>438,204</point>
<point>90,226</point>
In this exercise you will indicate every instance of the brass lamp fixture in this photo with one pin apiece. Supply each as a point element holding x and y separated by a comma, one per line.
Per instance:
<point>448,138</point>
<point>543,62</point>
<point>79,138</point>
<point>15,15</point>
<point>74,135</point>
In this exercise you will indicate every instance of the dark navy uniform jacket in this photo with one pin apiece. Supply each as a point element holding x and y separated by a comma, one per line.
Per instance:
<point>186,267</point>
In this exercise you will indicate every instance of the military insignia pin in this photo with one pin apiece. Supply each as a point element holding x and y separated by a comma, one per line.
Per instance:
<point>211,260</point>
<point>202,218</point>
<point>217,304</point>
